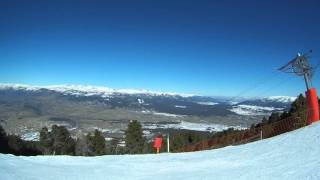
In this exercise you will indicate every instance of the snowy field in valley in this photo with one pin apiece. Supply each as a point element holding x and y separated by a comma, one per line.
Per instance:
<point>210,127</point>
<point>249,110</point>
<point>294,155</point>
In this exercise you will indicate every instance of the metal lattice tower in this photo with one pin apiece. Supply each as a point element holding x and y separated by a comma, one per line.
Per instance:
<point>300,66</point>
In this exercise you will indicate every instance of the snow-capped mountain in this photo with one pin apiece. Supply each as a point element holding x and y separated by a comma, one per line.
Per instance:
<point>254,110</point>
<point>262,106</point>
<point>78,106</point>
<point>173,103</point>
<point>272,101</point>
<point>282,99</point>
<point>88,90</point>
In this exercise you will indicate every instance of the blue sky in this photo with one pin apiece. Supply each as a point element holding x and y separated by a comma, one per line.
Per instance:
<point>229,48</point>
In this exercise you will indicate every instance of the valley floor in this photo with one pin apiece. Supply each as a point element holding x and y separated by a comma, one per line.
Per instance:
<point>294,155</point>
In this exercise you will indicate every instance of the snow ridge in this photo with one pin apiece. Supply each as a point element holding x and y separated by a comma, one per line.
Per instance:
<point>88,90</point>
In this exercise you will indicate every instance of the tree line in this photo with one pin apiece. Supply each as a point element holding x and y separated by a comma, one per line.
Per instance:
<point>58,141</point>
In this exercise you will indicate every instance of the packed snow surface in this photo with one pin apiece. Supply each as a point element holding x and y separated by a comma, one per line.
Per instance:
<point>294,155</point>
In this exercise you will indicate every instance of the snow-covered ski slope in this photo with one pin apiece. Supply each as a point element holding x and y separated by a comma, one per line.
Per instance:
<point>294,155</point>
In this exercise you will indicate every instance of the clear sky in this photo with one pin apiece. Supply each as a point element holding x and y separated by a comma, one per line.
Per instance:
<point>226,48</point>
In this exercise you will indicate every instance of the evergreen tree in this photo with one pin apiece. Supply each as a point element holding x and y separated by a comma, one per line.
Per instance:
<point>284,115</point>
<point>177,141</point>
<point>58,141</point>
<point>46,141</point>
<point>299,109</point>
<point>15,144</point>
<point>63,144</point>
<point>274,117</point>
<point>264,120</point>
<point>4,148</point>
<point>3,133</point>
<point>96,144</point>
<point>134,138</point>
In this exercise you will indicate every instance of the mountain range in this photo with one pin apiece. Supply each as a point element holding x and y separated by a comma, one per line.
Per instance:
<point>26,108</point>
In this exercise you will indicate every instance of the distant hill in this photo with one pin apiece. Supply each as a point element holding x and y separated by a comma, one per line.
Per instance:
<point>25,108</point>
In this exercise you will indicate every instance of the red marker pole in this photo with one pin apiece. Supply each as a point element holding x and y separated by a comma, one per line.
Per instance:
<point>157,143</point>
<point>312,106</point>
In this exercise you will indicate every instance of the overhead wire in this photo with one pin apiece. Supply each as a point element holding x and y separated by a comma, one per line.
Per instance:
<point>278,85</point>
<point>257,85</point>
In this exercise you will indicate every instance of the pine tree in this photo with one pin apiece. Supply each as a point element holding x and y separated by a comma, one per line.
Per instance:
<point>15,144</point>
<point>284,115</point>
<point>4,148</point>
<point>96,144</point>
<point>264,120</point>
<point>2,132</point>
<point>274,117</point>
<point>299,109</point>
<point>134,138</point>
<point>63,144</point>
<point>177,141</point>
<point>46,141</point>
